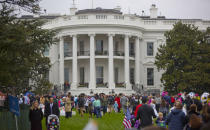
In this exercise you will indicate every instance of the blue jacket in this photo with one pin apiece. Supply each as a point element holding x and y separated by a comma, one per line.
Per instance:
<point>176,120</point>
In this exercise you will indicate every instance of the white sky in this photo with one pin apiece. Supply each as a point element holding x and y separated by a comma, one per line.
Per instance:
<point>189,9</point>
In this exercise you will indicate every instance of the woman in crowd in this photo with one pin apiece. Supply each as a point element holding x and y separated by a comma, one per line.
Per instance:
<point>163,108</point>
<point>176,119</point>
<point>35,116</point>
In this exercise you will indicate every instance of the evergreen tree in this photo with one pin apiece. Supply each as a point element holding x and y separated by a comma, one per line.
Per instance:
<point>185,59</point>
<point>22,47</point>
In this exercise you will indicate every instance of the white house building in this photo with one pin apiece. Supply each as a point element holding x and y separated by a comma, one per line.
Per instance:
<point>106,51</point>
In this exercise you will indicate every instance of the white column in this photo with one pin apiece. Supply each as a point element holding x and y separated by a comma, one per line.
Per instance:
<point>61,65</point>
<point>126,63</point>
<point>92,83</point>
<point>137,61</point>
<point>74,61</point>
<point>111,63</point>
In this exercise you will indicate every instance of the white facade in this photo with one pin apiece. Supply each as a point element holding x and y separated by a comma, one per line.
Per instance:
<point>99,40</point>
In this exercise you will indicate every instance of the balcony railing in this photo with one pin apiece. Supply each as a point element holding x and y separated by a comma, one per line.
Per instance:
<point>102,53</point>
<point>83,85</point>
<point>120,85</point>
<point>119,53</point>
<point>68,54</point>
<point>83,53</point>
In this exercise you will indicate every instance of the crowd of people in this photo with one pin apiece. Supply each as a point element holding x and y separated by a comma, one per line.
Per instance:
<point>178,112</point>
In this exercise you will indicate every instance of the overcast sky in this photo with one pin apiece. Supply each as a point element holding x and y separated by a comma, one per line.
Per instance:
<point>199,9</point>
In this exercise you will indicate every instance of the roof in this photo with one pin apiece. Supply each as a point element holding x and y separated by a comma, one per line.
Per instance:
<point>39,17</point>
<point>98,10</point>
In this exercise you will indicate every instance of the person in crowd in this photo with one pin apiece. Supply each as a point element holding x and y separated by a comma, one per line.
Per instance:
<point>117,98</point>
<point>161,120</point>
<point>81,105</point>
<point>164,107</point>
<point>90,108</point>
<point>206,113</point>
<point>145,113</point>
<point>97,106</point>
<point>35,116</point>
<point>116,106</point>
<point>86,104</point>
<point>154,128</point>
<point>183,108</point>
<point>153,105</point>
<point>124,103</point>
<point>110,103</point>
<point>195,123</point>
<point>68,108</point>
<point>104,103</point>
<point>193,110</point>
<point>198,103</point>
<point>176,119</point>
<point>188,101</point>
<point>158,102</point>
<point>51,107</point>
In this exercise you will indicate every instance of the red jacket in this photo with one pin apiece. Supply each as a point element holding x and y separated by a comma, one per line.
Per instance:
<point>137,108</point>
<point>118,101</point>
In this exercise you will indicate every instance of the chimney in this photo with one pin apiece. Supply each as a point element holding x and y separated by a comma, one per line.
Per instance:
<point>117,8</point>
<point>73,9</point>
<point>153,11</point>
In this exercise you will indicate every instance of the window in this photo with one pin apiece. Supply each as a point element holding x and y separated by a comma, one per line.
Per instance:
<point>150,48</point>
<point>131,49</point>
<point>46,51</point>
<point>81,47</point>
<point>83,17</point>
<point>101,17</point>
<point>99,75</point>
<point>46,76</point>
<point>116,74</point>
<point>66,50</point>
<point>118,17</point>
<point>82,75</point>
<point>150,76</point>
<point>99,46</point>
<point>116,46</point>
<point>66,74</point>
<point>132,75</point>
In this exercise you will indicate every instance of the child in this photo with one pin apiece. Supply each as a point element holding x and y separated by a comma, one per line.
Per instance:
<point>116,107</point>
<point>160,120</point>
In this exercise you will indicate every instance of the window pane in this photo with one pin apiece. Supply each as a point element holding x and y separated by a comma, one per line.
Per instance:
<point>99,74</point>
<point>81,46</point>
<point>132,75</point>
<point>99,45</point>
<point>66,74</point>
<point>150,48</point>
<point>116,46</point>
<point>82,75</point>
<point>150,76</point>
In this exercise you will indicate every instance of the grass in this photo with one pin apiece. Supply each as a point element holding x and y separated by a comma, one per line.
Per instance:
<point>111,121</point>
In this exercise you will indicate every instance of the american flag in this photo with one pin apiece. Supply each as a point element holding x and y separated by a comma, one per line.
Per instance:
<point>127,122</point>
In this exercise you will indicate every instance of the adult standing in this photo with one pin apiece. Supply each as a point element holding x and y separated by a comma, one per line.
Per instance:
<point>81,104</point>
<point>124,103</point>
<point>176,119</point>
<point>97,106</point>
<point>68,106</point>
<point>104,103</point>
<point>158,102</point>
<point>51,108</point>
<point>117,98</point>
<point>35,116</point>
<point>110,103</point>
<point>145,113</point>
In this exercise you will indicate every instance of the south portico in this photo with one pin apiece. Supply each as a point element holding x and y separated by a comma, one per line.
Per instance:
<point>93,56</point>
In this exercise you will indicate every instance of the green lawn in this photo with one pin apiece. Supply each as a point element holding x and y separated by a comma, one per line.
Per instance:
<point>111,121</point>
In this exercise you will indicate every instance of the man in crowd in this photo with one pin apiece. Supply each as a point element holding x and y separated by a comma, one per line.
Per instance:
<point>51,108</point>
<point>124,103</point>
<point>145,113</point>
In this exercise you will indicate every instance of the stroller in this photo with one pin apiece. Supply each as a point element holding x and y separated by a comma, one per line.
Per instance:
<point>53,122</point>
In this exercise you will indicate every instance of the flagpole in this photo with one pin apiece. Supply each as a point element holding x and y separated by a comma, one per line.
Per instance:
<point>16,122</point>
